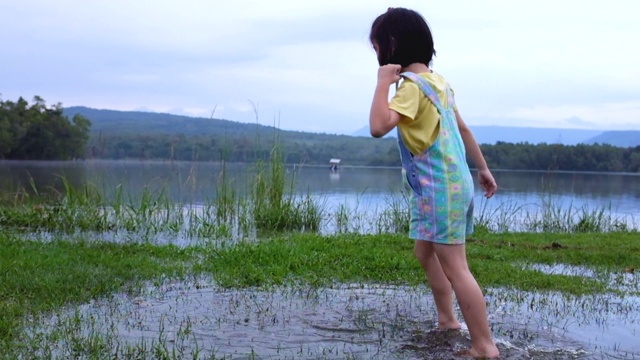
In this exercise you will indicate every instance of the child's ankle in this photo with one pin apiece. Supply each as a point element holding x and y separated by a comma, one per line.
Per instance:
<point>449,324</point>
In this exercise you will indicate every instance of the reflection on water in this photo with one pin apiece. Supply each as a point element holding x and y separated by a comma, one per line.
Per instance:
<point>347,321</point>
<point>334,176</point>
<point>197,182</point>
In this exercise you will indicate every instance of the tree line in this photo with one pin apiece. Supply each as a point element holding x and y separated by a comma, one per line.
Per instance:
<point>38,132</point>
<point>361,151</point>
<point>244,148</point>
<point>558,157</point>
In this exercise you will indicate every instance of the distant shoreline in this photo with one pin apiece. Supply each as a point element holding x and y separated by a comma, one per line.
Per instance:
<point>164,161</point>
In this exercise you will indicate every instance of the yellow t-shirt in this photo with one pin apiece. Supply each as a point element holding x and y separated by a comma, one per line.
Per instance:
<point>419,121</point>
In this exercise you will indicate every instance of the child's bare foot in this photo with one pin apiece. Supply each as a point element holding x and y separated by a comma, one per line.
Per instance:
<point>491,352</point>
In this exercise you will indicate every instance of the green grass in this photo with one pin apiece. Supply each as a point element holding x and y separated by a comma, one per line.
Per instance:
<point>496,259</point>
<point>608,251</point>
<point>314,259</point>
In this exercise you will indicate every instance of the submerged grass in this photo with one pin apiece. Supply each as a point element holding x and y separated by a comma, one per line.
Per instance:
<point>68,209</point>
<point>38,277</point>
<point>551,215</point>
<point>270,206</point>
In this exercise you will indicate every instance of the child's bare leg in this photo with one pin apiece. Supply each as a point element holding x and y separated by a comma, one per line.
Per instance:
<point>440,285</point>
<point>453,259</point>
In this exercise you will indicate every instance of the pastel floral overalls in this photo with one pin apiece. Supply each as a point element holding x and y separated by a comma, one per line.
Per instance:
<point>442,198</point>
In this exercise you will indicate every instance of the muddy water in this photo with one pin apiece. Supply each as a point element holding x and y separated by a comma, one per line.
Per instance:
<point>357,321</point>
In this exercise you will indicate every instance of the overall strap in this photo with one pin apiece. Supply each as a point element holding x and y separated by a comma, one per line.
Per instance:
<point>426,88</point>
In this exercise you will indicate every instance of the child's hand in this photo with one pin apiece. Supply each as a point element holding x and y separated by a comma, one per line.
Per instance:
<point>487,182</point>
<point>389,74</point>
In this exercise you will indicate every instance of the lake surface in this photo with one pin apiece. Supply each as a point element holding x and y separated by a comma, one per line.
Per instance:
<point>358,187</point>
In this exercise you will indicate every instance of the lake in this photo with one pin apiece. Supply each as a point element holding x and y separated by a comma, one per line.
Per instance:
<point>360,188</point>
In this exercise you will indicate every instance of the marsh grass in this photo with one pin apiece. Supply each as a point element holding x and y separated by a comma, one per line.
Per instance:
<point>550,216</point>
<point>275,206</point>
<point>149,214</point>
<point>272,206</point>
<point>360,217</point>
<point>67,210</point>
<point>341,218</point>
<point>395,216</point>
<point>346,218</point>
<point>226,200</point>
<point>226,216</point>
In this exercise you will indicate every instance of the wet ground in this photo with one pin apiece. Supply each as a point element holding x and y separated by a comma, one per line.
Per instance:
<point>356,322</point>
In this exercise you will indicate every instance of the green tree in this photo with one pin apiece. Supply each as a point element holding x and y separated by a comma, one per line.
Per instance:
<point>36,132</point>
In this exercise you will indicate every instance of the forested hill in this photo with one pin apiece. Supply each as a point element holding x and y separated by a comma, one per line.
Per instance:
<point>108,122</point>
<point>141,135</point>
<point>146,135</point>
<point>490,135</point>
<point>113,122</point>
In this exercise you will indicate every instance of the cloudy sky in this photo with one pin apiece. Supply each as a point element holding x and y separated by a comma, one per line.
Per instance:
<point>307,65</point>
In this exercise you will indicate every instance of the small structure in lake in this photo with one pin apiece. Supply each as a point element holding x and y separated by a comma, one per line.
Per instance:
<point>333,164</point>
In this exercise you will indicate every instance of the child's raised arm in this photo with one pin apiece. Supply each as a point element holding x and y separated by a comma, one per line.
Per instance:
<point>381,118</point>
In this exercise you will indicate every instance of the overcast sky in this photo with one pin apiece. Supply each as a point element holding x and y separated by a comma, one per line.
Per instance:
<point>308,65</point>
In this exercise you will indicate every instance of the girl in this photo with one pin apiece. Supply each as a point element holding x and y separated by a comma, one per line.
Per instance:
<point>433,142</point>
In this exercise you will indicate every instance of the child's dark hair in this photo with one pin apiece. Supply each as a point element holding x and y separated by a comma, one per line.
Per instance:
<point>402,37</point>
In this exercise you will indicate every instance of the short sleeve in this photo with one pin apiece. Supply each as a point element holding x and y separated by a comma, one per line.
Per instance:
<point>406,100</point>
<point>452,98</point>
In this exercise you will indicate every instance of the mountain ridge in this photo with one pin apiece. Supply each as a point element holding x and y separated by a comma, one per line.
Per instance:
<point>492,134</point>
<point>107,121</point>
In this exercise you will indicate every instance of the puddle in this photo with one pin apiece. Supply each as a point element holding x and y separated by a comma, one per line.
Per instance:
<point>563,269</point>
<point>626,281</point>
<point>601,326</point>
<point>196,319</point>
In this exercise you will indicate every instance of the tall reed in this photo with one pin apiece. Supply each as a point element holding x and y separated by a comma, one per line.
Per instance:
<point>275,205</point>
<point>395,217</point>
<point>226,199</point>
<point>68,210</point>
<point>550,216</point>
